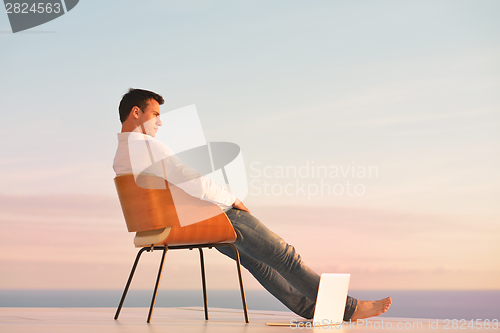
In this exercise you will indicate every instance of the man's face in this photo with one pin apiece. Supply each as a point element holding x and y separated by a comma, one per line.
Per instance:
<point>149,118</point>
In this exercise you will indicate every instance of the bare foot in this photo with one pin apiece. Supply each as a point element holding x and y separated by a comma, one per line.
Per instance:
<point>367,309</point>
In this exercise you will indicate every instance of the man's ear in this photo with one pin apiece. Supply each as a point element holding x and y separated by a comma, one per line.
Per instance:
<point>135,112</point>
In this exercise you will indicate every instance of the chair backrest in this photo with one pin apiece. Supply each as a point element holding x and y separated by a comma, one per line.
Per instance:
<point>150,206</point>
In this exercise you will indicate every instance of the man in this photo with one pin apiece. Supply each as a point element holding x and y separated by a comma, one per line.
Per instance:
<point>273,262</point>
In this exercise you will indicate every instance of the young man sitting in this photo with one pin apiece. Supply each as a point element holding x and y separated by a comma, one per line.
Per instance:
<point>273,262</point>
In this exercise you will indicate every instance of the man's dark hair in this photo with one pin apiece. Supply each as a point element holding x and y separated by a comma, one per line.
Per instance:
<point>139,98</point>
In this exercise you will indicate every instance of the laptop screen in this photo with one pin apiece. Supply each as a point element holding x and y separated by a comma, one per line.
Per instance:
<point>332,295</point>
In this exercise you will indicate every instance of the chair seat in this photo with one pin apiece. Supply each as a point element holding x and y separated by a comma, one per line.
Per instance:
<point>151,237</point>
<point>205,232</point>
<point>214,230</point>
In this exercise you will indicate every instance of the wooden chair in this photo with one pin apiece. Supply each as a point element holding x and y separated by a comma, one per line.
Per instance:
<point>148,207</point>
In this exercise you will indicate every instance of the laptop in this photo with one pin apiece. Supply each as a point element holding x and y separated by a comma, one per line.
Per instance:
<point>330,302</point>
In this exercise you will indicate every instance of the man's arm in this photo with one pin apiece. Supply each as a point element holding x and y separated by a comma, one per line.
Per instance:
<point>176,172</point>
<point>201,187</point>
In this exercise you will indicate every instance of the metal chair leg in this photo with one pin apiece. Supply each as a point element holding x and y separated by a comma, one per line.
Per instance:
<point>153,300</point>
<point>238,266</point>
<point>129,281</point>
<point>204,283</point>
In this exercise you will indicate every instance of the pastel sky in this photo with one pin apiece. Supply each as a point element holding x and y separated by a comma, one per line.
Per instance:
<point>406,89</point>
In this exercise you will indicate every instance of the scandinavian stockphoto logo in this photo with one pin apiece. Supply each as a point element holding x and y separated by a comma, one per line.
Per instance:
<point>26,14</point>
<point>181,154</point>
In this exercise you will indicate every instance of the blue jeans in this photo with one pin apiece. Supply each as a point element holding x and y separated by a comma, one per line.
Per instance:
<point>276,265</point>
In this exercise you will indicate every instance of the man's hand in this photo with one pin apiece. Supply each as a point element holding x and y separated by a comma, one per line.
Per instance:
<point>239,205</point>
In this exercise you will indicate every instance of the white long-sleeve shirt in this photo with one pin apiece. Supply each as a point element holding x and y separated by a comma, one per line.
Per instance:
<point>139,153</point>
